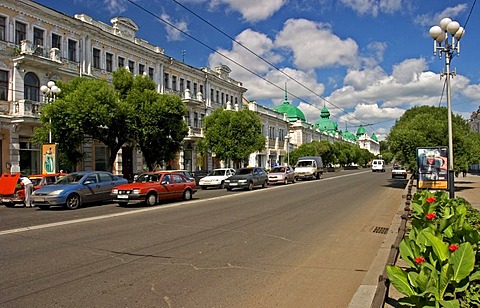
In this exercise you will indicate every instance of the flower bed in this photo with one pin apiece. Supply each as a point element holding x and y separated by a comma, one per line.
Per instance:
<point>440,250</point>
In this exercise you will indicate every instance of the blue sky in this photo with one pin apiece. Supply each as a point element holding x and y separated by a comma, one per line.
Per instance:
<point>367,61</point>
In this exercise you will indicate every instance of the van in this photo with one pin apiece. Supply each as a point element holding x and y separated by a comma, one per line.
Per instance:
<point>378,165</point>
<point>309,167</point>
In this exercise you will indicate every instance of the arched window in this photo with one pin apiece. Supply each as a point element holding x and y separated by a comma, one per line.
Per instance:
<point>31,88</point>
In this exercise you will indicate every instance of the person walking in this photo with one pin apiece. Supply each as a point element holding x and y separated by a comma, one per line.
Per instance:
<point>28,187</point>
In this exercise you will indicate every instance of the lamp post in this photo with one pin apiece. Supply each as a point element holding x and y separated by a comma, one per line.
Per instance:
<point>446,39</point>
<point>287,137</point>
<point>50,92</point>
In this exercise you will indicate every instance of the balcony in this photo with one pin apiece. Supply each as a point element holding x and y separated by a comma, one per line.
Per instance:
<point>194,133</point>
<point>25,108</point>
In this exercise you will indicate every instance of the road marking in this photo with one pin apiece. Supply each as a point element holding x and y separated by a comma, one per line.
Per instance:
<point>80,220</point>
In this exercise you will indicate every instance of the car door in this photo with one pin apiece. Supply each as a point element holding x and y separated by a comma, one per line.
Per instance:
<point>179,184</point>
<point>91,190</point>
<point>107,182</point>
<point>166,190</point>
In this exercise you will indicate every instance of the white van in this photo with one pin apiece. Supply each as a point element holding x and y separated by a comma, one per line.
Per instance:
<point>378,165</point>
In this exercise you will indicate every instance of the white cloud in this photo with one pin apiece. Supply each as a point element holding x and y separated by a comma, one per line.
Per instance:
<point>374,7</point>
<point>434,19</point>
<point>315,46</point>
<point>173,33</point>
<point>251,10</point>
<point>409,70</point>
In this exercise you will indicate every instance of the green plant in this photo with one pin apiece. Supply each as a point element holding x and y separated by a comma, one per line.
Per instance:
<point>440,250</point>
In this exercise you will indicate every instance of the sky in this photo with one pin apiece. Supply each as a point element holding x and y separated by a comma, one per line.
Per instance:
<point>367,61</point>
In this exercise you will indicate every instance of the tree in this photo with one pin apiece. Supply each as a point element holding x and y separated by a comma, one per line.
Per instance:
<point>233,135</point>
<point>427,126</point>
<point>158,125</point>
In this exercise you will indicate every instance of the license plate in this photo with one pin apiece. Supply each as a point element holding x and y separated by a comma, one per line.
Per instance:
<point>122,196</point>
<point>233,184</point>
<point>39,199</point>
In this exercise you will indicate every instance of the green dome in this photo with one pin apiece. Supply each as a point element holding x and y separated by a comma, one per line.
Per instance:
<point>293,113</point>
<point>361,131</point>
<point>349,135</point>
<point>374,137</point>
<point>325,124</point>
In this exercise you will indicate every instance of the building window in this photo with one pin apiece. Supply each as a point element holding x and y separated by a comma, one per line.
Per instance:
<point>38,37</point>
<point>20,32</point>
<point>72,50</point>
<point>31,87</point>
<point>187,118</point>
<point>201,88</point>
<point>271,132</point>
<point>3,85</point>
<point>223,98</point>
<point>166,78</point>
<point>150,72</point>
<point>211,94</point>
<point>3,28</point>
<point>174,83</point>
<point>141,69</point>
<point>281,134</point>
<point>195,119</point>
<point>188,85</point>
<point>56,41</point>
<point>108,62</point>
<point>195,89</point>
<point>96,58</point>
<point>182,86</point>
<point>217,97</point>
<point>101,157</point>
<point>131,66</point>
<point>121,62</point>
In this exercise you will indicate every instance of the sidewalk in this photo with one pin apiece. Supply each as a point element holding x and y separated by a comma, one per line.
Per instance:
<point>467,187</point>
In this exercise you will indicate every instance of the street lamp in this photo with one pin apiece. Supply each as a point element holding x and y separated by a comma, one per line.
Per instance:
<point>446,39</point>
<point>50,92</point>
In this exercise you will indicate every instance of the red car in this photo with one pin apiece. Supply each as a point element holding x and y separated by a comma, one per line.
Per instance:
<point>12,191</point>
<point>153,187</point>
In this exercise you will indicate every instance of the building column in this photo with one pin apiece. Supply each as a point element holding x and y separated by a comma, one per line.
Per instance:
<point>14,148</point>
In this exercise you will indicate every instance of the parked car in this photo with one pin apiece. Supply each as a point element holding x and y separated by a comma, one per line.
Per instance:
<point>247,178</point>
<point>187,174</point>
<point>153,187</point>
<point>9,190</point>
<point>399,172</point>
<point>216,178</point>
<point>77,188</point>
<point>282,175</point>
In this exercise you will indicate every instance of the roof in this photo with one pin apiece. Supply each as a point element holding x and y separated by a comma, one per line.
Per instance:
<point>325,124</point>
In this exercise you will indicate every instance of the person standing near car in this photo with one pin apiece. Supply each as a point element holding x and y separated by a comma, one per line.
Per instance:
<point>28,186</point>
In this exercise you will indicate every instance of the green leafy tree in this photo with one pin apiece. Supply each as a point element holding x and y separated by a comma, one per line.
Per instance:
<point>233,135</point>
<point>427,126</point>
<point>158,125</point>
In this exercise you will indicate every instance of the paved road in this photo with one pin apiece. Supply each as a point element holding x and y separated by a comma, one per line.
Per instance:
<point>303,245</point>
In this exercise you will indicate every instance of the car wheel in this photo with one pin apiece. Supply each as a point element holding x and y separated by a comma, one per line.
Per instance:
<point>250,186</point>
<point>285,181</point>
<point>318,176</point>
<point>204,187</point>
<point>294,179</point>
<point>229,188</point>
<point>151,199</point>
<point>122,203</point>
<point>187,195</point>
<point>73,202</point>
<point>43,207</point>
<point>9,204</point>
<point>222,185</point>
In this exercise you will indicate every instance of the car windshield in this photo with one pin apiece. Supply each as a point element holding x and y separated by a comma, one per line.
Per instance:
<point>278,169</point>
<point>217,172</point>
<point>71,178</point>
<point>305,163</point>
<point>245,171</point>
<point>36,181</point>
<point>147,178</point>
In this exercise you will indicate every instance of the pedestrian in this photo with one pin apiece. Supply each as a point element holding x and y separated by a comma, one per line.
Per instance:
<point>28,187</point>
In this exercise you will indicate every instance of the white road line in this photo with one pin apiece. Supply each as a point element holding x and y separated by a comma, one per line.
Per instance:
<point>156,208</point>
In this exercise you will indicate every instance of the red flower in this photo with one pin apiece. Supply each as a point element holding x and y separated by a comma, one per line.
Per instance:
<point>419,260</point>
<point>431,216</point>
<point>431,199</point>
<point>453,247</point>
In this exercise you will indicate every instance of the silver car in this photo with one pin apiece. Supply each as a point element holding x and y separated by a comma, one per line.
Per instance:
<point>281,175</point>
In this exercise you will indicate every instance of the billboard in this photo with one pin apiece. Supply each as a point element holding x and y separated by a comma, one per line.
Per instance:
<point>432,168</point>
<point>49,158</point>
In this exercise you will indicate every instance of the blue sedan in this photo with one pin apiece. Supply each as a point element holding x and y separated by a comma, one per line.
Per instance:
<point>77,188</point>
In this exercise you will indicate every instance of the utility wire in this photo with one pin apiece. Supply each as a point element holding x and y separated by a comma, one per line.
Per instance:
<point>240,65</point>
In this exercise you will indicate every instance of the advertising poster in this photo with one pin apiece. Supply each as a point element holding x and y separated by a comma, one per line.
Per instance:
<point>49,158</point>
<point>432,168</point>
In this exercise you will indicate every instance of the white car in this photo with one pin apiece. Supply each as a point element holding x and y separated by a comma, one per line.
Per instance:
<point>216,178</point>
<point>399,172</point>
